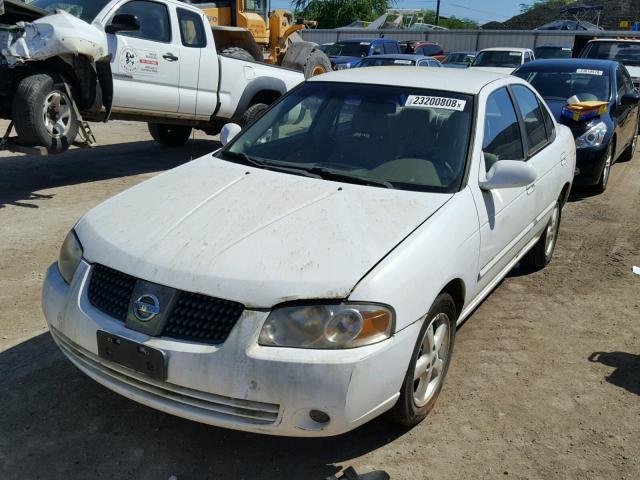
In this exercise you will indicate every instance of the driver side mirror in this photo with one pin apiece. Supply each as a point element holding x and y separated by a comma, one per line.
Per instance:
<point>508,174</point>
<point>123,22</point>
<point>228,132</point>
<point>630,98</point>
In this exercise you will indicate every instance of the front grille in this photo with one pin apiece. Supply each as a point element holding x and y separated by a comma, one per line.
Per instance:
<point>110,291</point>
<point>193,317</point>
<point>207,319</point>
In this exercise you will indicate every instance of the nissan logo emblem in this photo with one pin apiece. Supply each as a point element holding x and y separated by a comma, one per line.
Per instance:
<point>146,307</point>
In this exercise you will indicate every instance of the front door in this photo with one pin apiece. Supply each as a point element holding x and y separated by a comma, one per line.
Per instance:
<point>146,63</point>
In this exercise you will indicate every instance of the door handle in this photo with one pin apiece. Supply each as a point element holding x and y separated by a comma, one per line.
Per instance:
<point>563,159</point>
<point>170,57</point>
<point>531,188</point>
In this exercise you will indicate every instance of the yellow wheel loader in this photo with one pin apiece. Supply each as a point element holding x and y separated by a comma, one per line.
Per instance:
<point>247,30</point>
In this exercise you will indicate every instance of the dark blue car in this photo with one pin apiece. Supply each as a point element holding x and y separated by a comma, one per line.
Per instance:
<point>348,53</point>
<point>601,137</point>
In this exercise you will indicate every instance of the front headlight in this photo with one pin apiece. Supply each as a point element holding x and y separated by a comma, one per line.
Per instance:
<point>592,137</point>
<point>343,66</point>
<point>344,325</point>
<point>70,256</point>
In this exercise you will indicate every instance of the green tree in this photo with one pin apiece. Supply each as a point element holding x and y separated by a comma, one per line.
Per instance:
<point>524,7</point>
<point>338,13</point>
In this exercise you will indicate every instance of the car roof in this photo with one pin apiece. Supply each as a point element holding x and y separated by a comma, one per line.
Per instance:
<point>358,40</point>
<point>448,79</point>
<point>551,64</point>
<point>506,49</point>
<point>401,56</point>
<point>630,40</point>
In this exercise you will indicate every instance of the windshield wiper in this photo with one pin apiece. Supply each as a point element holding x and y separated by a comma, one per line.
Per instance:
<point>254,162</point>
<point>328,174</point>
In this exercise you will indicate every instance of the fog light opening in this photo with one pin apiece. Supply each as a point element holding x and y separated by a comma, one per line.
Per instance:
<point>319,416</point>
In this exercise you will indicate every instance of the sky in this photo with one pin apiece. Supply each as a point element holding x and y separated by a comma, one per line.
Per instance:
<point>482,11</point>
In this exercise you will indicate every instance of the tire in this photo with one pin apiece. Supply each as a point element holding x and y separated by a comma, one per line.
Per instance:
<point>601,186</point>
<point>169,135</point>
<point>253,112</point>
<point>630,151</point>
<point>316,63</point>
<point>540,255</point>
<point>238,53</point>
<point>43,114</point>
<point>414,404</point>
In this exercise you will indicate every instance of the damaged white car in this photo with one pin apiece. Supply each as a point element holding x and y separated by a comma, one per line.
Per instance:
<point>63,63</point>
<point>310,275</point>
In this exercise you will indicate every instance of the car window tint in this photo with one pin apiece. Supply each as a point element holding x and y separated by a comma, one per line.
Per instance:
<point>377,48</point>
<point>191,29</point>
<point>619,82</point>
<point>532,116</point>
<point>628,83</point>
<point>153,18</point>
<point>548,122</point>
<point>502,138</point>
<point>390,48</point>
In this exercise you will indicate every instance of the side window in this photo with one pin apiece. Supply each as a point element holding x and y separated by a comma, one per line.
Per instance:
<point>154,20</point>
<point>628,82</point>
<point>502,139</point>
<point>191,29</point>
<point>548,123</point>
<point>377,48</point>
<point>390,48</point>
<point>527,57</point>
<point>532,116</point>
<point>620,82</point>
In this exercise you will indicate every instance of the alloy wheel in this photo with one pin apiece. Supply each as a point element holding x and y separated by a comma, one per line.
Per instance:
<point>428,372</point>
<point>57,113</point>
<point>552,232</point>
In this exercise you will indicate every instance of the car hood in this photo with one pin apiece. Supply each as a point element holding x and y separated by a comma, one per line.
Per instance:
<point>505,70</point>
<point>254,236</point>
<point>341,59</point>
<point>577,128</point>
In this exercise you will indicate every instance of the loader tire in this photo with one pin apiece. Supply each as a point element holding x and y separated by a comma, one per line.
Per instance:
<point>316,63</point>
<point>43,113</point>
<point>238,53</point>
<point>169,135</point>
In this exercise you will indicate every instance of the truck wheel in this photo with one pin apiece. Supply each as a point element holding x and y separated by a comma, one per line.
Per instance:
<point>316,63</point>
<point>169,135</point>
<point>43,113</point>
<point>251,113</point>
<point>237,52</point>
<point>429,364</point>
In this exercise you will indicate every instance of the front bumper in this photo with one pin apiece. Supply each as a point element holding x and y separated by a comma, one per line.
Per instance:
<point>238,384</point>
<point>589,164</point>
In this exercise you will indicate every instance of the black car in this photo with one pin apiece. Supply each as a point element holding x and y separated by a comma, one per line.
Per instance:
<point>604,136</point>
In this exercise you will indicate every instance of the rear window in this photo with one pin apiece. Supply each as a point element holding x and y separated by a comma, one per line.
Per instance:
<point>627,53</point>
<point>588,84</point>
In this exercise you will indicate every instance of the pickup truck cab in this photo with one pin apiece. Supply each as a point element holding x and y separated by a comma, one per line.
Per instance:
<point>347,53</point>
<point>502,60</point>
<point>146,60</point>
<point>625,51</point>
<point>311,274</point>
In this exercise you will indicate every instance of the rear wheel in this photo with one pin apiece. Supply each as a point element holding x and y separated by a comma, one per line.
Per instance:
<point>43,113</point>
<point>253,112</point>
<point>429,363</point>
<point>169,135</point>
<point>316,63</point>
<point>542,252</point>
<point>630,151</point>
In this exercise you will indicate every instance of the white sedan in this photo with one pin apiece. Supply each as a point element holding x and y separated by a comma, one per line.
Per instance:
<point>502,60</point>
<point>310,275</point>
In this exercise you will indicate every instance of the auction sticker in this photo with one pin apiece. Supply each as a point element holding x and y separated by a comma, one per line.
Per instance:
<point>588,71</point>
<point>426,101</point>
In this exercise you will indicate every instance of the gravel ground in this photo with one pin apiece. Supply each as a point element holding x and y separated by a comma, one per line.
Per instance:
<point>545,382</point>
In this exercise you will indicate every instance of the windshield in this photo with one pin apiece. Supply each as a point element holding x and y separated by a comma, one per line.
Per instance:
<point>384,62</point>
<point>458,58</point>
<point>586,84</point>
<point>627,53</point>
<point>552,52</point>
<point>349,49</point>
<point>83,9</point>
<point>498,58</point>
<point>396,137</point>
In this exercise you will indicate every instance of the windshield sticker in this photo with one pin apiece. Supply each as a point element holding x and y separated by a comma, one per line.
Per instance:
<point>402,62</point>
<point>426,101</point>
<point>514,54</point>
<point>588,71</point>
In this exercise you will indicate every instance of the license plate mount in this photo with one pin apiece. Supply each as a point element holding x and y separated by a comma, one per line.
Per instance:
<point>136,356</point>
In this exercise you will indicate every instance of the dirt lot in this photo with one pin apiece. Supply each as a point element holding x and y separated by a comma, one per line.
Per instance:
<point>545,382</point>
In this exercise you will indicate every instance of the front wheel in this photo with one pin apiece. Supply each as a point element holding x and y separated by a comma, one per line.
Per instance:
<point>429,364</point>
<point>603,181</point>
<point>542,252</point>
<point>43,113</point>
<point>169,135</point>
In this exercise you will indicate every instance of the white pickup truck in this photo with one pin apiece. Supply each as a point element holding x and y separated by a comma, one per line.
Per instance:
<point>145,60</point>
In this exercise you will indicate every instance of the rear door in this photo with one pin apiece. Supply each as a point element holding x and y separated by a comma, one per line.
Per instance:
<point>145,63</point>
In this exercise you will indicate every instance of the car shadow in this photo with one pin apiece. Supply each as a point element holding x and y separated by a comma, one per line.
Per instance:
<point>58,423</point>
<point>24,177</point>
<point>627,369</point>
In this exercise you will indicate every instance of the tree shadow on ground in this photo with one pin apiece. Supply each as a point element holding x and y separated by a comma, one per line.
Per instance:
<point>58,423</point>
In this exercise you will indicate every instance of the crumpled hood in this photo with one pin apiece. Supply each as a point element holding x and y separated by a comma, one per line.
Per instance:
<point>251,235</point>
<point>52,35</point>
